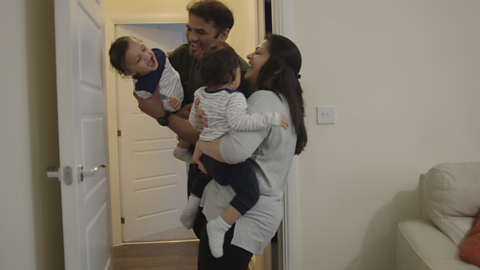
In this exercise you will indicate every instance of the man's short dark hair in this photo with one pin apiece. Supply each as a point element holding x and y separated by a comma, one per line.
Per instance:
<point>213,11</point>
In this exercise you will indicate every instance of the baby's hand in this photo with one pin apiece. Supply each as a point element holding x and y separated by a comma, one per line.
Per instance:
<point>174,103</point>
<point>284,121</point>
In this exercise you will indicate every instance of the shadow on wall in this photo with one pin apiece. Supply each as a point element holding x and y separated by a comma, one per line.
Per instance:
<point>378,250</point>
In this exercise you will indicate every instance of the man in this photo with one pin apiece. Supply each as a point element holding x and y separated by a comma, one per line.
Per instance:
<point>209,23</point>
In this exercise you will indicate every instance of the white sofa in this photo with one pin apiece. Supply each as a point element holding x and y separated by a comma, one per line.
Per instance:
<point>450,199</point>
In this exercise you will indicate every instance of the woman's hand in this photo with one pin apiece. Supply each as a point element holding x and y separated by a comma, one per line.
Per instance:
<point>200,117</point>
<point>197,157</point>
<point>152,106</point>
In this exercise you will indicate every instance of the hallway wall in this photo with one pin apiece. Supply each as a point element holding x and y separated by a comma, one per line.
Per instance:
<point>31,235</point>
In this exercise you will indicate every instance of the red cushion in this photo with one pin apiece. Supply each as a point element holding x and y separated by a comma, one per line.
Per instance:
<point>471,248</point>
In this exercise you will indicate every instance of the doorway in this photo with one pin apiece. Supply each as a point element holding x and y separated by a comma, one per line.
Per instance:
<point>111,22</point>
<point>280,10</point>
<point>153,183</point>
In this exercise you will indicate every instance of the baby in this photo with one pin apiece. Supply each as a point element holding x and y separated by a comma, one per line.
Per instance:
<point>150,68</point>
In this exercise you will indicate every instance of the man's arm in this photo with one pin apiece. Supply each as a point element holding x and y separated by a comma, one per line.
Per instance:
<point>184,112</point>
<point>153,107</point>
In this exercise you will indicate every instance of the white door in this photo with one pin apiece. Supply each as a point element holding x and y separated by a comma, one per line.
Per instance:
<point>153,183</point>
<point>79,40</point>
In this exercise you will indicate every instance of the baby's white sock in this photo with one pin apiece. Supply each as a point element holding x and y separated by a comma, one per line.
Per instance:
<point>190,212</point>
<point>183,154</point>
<point>216,230</point>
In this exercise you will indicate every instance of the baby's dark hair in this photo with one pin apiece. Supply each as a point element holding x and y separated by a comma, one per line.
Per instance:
<point>216,65</point>
<point>117,52</point>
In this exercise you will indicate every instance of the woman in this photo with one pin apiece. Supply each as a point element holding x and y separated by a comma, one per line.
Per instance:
<point>275,67</point>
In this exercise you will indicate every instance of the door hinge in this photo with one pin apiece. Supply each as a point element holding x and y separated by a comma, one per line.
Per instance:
<point>122,220</point>
<point>119,133</point>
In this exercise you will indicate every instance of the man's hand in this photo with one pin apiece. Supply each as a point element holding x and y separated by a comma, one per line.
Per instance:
<point>152,106</point>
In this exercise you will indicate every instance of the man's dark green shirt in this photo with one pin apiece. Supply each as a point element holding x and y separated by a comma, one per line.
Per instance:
<point>187,67</point>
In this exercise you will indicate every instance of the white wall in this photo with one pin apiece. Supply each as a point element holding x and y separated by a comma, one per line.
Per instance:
<point>244,35</point>
<point>404,77</point>
<point>31,228</point>
<point>145,7</point>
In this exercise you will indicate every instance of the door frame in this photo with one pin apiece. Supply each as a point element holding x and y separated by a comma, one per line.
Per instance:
<point>282,23</point>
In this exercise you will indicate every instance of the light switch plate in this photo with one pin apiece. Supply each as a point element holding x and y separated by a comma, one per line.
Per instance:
<point>325,115</point>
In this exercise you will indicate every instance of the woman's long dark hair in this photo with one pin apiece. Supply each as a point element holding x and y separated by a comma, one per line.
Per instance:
<point>280,75</point>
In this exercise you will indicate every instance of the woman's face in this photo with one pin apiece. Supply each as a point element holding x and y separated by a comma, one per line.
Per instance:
<point>256,60</point>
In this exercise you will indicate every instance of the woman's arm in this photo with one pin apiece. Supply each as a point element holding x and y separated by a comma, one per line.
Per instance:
<point>236,146</point>
<point>153,106</point>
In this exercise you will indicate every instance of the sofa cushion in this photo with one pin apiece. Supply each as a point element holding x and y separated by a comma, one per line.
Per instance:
<point>471,248</point>
<point>421,246</point>
<point>452,198</point>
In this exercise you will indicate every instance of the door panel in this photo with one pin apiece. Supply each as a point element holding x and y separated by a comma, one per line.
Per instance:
<point>92,127</point>
<point>97,236</point>
<point>90,52</point>
<point>149,201</point>
<point>143,130</point>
